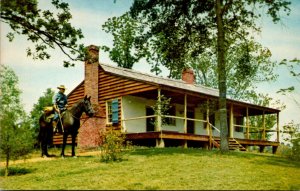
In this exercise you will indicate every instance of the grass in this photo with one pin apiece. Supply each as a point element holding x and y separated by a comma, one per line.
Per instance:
<point>159,169</point>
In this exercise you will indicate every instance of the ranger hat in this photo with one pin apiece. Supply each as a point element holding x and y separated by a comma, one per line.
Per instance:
<point>61,87</point>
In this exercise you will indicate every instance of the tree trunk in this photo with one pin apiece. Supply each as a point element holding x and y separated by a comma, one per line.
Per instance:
<point>7,163</point>
<point>222,78</point>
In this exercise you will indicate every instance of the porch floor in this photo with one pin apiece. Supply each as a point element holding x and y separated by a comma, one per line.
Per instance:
<point>172,138</point>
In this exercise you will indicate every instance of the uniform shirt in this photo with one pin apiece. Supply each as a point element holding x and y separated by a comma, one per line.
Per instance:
<point>60,100</point>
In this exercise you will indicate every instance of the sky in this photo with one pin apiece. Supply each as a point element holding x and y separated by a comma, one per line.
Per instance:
<point>283,39</point>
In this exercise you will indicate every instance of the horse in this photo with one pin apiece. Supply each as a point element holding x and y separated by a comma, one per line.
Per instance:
<point>70,120</point>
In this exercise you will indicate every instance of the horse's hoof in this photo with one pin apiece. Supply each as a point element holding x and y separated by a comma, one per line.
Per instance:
<point>75,157</point>
<point>62,156</point>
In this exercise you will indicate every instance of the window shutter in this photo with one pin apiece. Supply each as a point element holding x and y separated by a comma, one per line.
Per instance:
<point>115,111</point>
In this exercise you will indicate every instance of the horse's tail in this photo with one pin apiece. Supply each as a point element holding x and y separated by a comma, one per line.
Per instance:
<point>41,124</point>
<point>46,130</point>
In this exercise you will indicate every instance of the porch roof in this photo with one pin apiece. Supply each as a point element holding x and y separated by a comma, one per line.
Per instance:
<point>182,85</point>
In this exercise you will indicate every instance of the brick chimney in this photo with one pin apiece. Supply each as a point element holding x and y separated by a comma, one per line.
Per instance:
<point>91,73</point>
<point>188,76</point>
<point>89,135</point>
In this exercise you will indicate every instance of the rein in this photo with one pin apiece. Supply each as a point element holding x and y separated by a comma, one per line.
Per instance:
<point>76,110</point>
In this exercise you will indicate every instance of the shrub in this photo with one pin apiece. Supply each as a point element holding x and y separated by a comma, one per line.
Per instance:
<point>296,148</point>
<point>113,146</point>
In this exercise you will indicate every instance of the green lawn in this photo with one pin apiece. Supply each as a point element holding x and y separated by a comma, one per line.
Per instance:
<point>153,168</point>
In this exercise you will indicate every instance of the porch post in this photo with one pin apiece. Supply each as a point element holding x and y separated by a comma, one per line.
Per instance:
<point>207,117</point>
<point>160,141</point>
<point>185,114</point>
<point>158,123</point>
<point>264,127</point>
<point>185,119</point>
<point>207,125</point>
<point>247,123</point>
<point>277,126</point>
<point>231,122</point>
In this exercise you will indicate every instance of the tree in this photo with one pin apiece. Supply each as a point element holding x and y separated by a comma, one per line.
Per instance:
<point>293,130</point>
<point>193,23</point>
<point>123,29</point>
<point>37,111</point>
<point>293,67</point>
<point>15,131</point>
<point>43,28</point>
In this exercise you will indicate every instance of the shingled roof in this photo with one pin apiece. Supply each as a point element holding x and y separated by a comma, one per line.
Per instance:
<point>128,73</point>
<point>180,84</point>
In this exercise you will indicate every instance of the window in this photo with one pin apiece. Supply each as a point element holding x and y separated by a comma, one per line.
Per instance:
<point>108,112</point>
<point>112,111</point>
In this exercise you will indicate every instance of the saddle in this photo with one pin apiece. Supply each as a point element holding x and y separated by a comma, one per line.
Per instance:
<point>49,113</point>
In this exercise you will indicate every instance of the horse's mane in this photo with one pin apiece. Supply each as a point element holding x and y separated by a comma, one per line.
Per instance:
<point>75,106</point>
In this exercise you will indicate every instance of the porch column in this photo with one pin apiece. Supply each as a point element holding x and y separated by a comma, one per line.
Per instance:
<point>247,123</point>
<point>264,127</point>
<point>185,119</point>
<point>158,118</point>
<point>277,126</point>
<point>207,117</point>
<point>185,114</point>
<point>231,122</point>
<point>160,141</point>
<point>209,133</point>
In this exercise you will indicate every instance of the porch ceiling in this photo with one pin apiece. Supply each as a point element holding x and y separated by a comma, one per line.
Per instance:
<point>194,100</point>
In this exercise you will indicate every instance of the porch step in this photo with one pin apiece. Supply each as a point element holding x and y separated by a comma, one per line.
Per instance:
<point>233,144</point>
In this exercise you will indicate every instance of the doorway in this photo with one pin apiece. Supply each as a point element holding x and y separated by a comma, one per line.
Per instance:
<point>191,124</point>
<point>150,122</point>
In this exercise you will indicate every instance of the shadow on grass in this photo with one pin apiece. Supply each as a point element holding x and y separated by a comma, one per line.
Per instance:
<point>16,171</point>
<point>264,159</point>
<point>151,151</point>
<point>253,157</point>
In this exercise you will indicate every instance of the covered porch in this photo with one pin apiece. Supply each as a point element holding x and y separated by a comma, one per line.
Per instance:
<point>196,114</point>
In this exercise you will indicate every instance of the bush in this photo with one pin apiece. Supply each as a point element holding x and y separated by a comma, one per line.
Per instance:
<point>296,149</point>
<point>113,146</point>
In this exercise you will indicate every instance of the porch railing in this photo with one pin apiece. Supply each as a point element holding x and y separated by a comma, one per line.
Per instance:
<point>249,129</point>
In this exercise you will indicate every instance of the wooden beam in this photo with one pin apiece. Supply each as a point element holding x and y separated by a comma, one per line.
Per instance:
<point>278,127</point>
<point>231,122</point>
<point>247,123</point>
<point>185,114</point>
<point>158,118</point>
<point>185,119</point>
<point>207,116</point>
<point>264,127</point>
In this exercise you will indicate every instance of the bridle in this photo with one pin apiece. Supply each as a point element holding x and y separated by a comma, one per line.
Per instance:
<point>77,111</point>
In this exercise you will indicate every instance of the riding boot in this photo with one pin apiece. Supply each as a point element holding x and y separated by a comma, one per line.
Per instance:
<point>54,125</point>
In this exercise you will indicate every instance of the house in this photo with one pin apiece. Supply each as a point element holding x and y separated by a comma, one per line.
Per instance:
<point>123,99</point>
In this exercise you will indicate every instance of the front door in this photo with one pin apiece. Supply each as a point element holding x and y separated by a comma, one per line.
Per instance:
<point>191,124</point>
<point>150,121</point>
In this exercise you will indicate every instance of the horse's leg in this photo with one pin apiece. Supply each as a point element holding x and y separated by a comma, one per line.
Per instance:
<point>73,144</point>
<point>42,148</point>
<point>65,135</point>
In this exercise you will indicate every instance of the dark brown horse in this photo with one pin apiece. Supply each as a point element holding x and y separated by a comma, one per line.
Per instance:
<point>71,123</point>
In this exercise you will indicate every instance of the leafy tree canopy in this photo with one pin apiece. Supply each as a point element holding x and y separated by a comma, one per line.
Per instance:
<point>45,29</point>
<point>15,130</point>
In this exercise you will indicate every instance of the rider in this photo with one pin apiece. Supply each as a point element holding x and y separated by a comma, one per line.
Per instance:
<point>59,104</point>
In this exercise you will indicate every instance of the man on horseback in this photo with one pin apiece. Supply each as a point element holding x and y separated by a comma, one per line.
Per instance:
<point>60,102</point>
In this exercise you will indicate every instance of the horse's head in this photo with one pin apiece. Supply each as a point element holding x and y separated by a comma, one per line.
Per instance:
<point>87,106</point>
